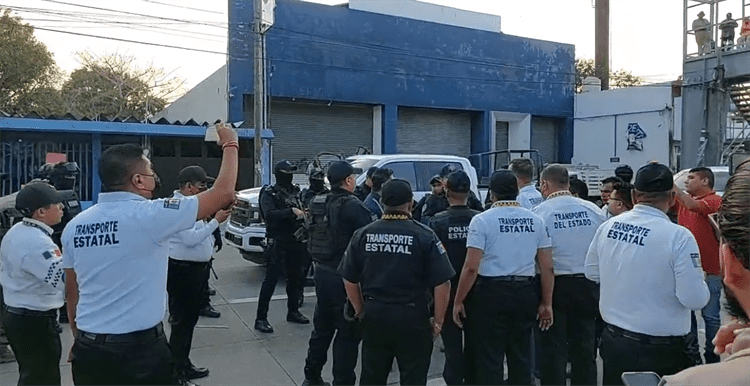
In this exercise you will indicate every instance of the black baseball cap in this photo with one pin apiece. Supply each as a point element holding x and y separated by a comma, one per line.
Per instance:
<point>37,195</point>
<point>654,177</point>
<point>339,170</point>
<point>447,170</point>
<point>396,192</point>
<point>435,179</point>
<point>503,182</point>
<point>371,170</point>
<point>625,172</point>
<point>194,173</point>
<point>459,182</point>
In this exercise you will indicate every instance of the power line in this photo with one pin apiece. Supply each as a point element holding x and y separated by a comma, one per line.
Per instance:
<point>183,7</point>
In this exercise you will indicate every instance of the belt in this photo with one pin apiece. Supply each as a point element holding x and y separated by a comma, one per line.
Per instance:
<point>186,263</point>
<point>574,275</point>
<point>645,339</point>
<point>324,267</point>
<point>370,298</point>
<point>130,337</point>
<point>26,312</point>
<point>509,279</point>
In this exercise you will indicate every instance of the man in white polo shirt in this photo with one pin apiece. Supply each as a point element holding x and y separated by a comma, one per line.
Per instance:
<point>572,223</point>
<point>528,195</point>
<point>651,277</point>
<point>115,264</point>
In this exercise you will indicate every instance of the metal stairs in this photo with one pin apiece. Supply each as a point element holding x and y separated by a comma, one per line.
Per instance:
<point>740,94</point>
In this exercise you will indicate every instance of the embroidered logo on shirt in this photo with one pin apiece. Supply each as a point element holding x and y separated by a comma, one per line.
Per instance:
<point>172,203</point>
<point>696,257</point>
<point>441,248</point>
<point>50,254</point>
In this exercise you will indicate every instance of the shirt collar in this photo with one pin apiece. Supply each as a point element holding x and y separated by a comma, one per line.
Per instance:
<point>177,194</point>
<point>559,193</point>
<point>649,210</point>
<point>120,196</point>
<point>498,204</point>
<point>703,196</point>
<point>528,186</point>
<point>38,224</point>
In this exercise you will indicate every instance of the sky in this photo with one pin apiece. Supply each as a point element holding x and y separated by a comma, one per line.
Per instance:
<point>646,35</point>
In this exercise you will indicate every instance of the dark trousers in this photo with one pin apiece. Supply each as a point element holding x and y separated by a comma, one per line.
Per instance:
<point>140,358</point>
<point>395,331</point>
<point>185,286</point>
<point>284,256</point>
<point>500,318</point>
<point>329,325</point>
<point>36,344</point>
<point>205,296</point>
<point>573,333</point>
<point>457,352</point>
<point>624,351</point>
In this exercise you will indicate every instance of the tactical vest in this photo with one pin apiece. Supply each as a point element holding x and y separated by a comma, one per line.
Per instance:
<point>320,236</point>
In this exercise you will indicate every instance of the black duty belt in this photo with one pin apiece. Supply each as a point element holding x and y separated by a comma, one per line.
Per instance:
<point>324,267</point>
<point>390,303</point>
<point>27,312</point>
<point>506,279</point>
<point>186,263</point>
<point>573,275</point>
<point>130,337</point>
<point>645,339</point>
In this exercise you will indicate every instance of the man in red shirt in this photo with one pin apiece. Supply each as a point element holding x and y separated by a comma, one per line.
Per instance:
<point>693,207</point>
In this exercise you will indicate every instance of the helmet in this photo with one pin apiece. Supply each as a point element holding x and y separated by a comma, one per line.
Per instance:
<point>317,175</point>
<point>284,167</point>
<point>447,170</point>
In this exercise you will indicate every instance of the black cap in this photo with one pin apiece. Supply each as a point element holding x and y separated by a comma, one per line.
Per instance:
<point>317,175</point>
<point>654,177</point>
<point>396,192</point>
<point>37,195</point>
<point>435,179</point>
<point>625,172</point>
<point>284,166</point>
<point>459,182</point>
<point>381,176</point>
<point>504,182</point>
<point>447,169</point>
<point>371,170</point>
<point>194,173</point>
<point>339,170</point>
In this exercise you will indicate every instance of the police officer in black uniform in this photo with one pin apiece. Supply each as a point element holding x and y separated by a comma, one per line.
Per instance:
<point>452,227</point>
<point>436,188</point>
<point>361,191</point>
<point>389,269</point>
<point>317,186</point>
<point>345,214</point>
<point>282,211</point>
<point>379,178</point>
<point>437,203</point>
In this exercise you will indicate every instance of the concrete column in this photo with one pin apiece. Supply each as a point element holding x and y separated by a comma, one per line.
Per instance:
<point>566,140</point>
<point>390,129</point>
<point>377,130</point>
<point>96,153</point>
<point>693,122</point>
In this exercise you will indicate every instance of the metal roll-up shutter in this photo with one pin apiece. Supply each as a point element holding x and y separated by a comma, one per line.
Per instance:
<point>428,131</point>
<point>302,130</point>
<point>544,137</point>
<point>501,135</point>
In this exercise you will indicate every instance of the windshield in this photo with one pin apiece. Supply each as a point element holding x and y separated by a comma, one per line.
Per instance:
<point>363,163</point>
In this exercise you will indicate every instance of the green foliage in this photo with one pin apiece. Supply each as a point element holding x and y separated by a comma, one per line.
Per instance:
<point>617,79</point>
<point>29,77</point>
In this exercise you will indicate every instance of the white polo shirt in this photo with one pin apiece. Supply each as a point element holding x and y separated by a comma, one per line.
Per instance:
<point>509,236</point>
<point>650,273</point>
<point>31,267</point>
<point>529,197</point>
<point>572,223</point>
<point>195,244</point>
<point>118,249</point>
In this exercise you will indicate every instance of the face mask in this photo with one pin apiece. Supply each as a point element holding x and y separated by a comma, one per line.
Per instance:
<point>284,179</point>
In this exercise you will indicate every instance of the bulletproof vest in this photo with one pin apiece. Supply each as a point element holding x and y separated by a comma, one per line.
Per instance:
<point>320,236</point>
<point>71,208</point>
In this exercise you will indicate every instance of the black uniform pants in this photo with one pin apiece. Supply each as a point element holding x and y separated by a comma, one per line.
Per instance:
<point>206,296</point>
<point>500,318</point>
<point>395,331</point>
<point>34,339</point>
<point>185,286</point>
<point>284,256</point>
<point>571,338</point>
<point>457,352</point>
<point>628,351</point>
<point>329,325</point>
<point>137,358</point>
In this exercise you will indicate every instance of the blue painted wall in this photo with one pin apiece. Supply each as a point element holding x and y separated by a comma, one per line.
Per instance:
<point>333,53</point>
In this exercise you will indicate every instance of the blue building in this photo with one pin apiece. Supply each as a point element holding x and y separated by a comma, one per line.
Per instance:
<point>341,77</point>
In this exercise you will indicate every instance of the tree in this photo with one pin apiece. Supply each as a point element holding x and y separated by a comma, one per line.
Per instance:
<point>113,86</point>
<point>29,76</point>
<point>617,79</point>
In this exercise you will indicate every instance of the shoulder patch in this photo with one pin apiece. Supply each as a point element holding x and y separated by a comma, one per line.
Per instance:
<point>51,253</point>
<point>696,257</point>
<point>441,248</point>
<point>172,203</point>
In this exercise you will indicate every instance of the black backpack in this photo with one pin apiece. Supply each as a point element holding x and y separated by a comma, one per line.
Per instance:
<point>320,236</point>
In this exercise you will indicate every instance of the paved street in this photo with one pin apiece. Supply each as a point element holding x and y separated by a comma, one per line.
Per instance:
<point>229,346</point>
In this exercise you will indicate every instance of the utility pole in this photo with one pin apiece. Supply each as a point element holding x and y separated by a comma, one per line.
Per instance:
<point>259,94</point>
<point>601,62</point>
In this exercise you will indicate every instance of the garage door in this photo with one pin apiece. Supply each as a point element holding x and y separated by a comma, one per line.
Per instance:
<point>544,135</point>
<point>501,135</point>
<point>302,130</point>
<point>429,131</point>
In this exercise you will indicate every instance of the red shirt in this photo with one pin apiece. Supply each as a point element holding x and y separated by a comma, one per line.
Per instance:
<point>697,221</point>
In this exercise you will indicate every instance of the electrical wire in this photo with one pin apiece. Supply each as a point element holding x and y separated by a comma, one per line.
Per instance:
<point>183,7</point>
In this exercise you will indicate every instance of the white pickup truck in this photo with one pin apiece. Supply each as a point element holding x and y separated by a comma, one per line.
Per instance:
<point>247,232</point>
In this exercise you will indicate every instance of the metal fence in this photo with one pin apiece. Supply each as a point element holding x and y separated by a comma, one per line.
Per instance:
<point>20,160</point>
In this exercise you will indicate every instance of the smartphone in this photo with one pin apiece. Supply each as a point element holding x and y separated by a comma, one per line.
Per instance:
<point>640,378</point>
<point>211,134</point>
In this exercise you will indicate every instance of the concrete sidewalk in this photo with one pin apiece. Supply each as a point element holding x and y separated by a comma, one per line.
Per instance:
<point>235,353</point>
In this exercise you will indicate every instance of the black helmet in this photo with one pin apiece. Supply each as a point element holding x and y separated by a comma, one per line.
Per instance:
<point>317,175</point>
<point>284,167</point>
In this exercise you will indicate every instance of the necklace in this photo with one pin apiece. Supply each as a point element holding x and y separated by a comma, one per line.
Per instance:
<point>396,216</point>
